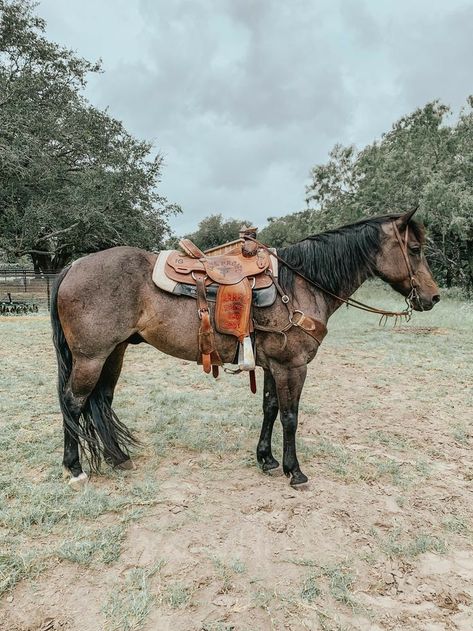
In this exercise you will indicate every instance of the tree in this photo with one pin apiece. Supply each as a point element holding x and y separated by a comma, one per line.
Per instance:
<point>72,179</point>
<point>213,231</point>
<point>422,161</point>
<point>282,231</point>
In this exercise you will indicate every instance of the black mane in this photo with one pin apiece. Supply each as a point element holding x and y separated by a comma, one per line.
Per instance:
<point>335,258</point>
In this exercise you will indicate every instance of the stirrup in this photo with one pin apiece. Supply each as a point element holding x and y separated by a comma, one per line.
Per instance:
<point>246,357</point>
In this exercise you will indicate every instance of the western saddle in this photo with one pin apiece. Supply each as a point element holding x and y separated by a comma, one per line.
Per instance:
<point>245,274</point>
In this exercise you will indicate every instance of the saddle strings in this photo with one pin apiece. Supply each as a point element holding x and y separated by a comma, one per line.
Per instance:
<point>406,313</point>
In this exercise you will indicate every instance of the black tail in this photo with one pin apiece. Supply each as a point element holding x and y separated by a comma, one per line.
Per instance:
<point>97,429</point>
<point>63,353</point>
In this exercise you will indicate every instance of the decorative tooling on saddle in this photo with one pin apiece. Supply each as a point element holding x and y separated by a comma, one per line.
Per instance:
<point>237,280</point>
<point>264,293</point>
<point>226,269</point>
<point>231,280</point>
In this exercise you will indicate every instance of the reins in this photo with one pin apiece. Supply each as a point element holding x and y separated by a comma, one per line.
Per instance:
<point>407,313</point>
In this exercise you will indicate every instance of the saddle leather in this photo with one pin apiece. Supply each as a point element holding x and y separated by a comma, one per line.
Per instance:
<point>233,309</point>
<point>236,273</point>
<point>226,269</point>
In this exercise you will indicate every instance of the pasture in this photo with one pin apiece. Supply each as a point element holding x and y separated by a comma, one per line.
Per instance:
<point>199,539</point>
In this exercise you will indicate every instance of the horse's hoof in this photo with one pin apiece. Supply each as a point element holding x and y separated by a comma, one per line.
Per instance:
<point>269,466</point>
<point>76,482</point>
<point>298,478</point>
<point>126,465</point>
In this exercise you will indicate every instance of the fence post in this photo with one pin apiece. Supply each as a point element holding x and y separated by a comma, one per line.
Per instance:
<point>24,280</point>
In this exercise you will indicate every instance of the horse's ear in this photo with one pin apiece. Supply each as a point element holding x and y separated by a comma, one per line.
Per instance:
<point>406,217</point>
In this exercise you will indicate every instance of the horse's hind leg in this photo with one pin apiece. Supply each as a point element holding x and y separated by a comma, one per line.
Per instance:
<point>84,376</point>
<point>111,371</point>
<point>108,380</point>
<point>270,412</point>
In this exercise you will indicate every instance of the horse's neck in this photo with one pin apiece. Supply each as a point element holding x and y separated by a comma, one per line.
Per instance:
<point>326,304</point>
<point>332,304</point>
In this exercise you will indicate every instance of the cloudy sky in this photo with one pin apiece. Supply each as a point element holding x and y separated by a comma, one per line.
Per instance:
<point>243,97</point>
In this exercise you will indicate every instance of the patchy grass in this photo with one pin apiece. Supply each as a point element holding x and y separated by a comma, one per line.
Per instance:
<point>130,601</point>
<point>310,588</point>
<point>398,544</point>
<point>89,546</point>
<point>457,524</point>
<point>177,595</point>
<point>384,438</point>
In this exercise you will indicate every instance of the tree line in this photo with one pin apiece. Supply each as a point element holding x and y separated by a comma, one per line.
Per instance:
<point>73,180</point>
<point>425,161</point>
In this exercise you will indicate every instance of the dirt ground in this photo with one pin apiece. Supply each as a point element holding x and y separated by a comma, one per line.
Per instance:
<point>199,539</point>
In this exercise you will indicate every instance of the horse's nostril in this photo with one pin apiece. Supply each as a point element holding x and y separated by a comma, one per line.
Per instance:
<point>435,299</point>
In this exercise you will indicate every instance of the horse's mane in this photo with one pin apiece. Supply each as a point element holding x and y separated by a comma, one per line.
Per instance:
<point>335,258</point>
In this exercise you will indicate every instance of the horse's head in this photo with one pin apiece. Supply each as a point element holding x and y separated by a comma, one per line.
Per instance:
<point>402,264</point>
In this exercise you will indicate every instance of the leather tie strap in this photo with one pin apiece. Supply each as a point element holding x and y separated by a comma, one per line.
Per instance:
<point>207,346</point>
<point>191,249</point>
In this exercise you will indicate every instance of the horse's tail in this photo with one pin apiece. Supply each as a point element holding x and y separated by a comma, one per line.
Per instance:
<point>97,429</point>
<point>63,352</point>
<point>103,431</point>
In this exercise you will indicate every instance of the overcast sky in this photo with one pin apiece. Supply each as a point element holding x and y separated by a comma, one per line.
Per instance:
<point>243,97</point>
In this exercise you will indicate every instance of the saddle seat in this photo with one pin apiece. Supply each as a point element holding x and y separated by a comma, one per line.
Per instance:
<point>224,269</point>
<point>241,268</point>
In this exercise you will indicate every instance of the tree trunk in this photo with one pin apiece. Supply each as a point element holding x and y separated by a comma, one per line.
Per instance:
<point>48,263</point>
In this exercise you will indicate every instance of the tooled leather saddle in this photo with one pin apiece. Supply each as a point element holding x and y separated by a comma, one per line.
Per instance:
<point>236,279</point>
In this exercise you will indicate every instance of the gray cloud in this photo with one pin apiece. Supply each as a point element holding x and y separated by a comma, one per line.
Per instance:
<point>243,97</point>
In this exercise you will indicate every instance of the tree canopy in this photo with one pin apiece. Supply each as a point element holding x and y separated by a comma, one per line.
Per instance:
<point>72,179</point>
<point>424,161</point>
<point>214,230</point>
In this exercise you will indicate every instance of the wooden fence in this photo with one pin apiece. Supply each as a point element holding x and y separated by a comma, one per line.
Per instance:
<point>26,286</point>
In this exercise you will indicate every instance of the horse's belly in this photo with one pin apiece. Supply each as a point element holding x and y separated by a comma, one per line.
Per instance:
<point>173,328</point>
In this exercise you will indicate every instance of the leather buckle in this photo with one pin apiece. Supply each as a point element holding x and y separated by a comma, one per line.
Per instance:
<point>291,317</point>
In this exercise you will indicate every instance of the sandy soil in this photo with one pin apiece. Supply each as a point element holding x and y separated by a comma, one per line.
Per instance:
<point>380,538</point>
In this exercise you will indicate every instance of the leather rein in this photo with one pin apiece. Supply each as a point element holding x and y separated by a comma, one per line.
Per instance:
<point>306,322</point>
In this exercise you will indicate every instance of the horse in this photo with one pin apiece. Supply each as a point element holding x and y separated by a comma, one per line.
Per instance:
<point>105,301</point>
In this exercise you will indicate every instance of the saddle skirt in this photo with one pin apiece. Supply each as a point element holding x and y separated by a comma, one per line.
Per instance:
<point>235,281</point>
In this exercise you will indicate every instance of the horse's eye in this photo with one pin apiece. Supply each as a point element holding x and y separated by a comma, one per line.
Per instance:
<point>415,249</point>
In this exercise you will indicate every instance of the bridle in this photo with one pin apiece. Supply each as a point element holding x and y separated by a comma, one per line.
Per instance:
<point>413,295</point>
<point>383,313</point>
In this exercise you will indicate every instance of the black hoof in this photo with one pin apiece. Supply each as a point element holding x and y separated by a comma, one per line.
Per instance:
<point>271,464</point>
<point>298,478</point>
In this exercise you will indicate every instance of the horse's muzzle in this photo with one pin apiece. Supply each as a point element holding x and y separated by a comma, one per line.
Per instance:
<point>422,303</point>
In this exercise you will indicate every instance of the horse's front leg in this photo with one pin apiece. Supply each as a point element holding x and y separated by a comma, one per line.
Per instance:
<point>289,383</point>
<point>270,411</point>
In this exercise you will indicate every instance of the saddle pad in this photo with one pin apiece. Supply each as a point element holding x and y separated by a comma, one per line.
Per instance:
<point>265,297</point>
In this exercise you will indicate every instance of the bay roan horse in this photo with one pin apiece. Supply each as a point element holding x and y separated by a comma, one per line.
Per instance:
<point>105,301</point>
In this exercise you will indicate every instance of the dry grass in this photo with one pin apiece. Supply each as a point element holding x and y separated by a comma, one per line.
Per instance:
<point>199,538</point>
